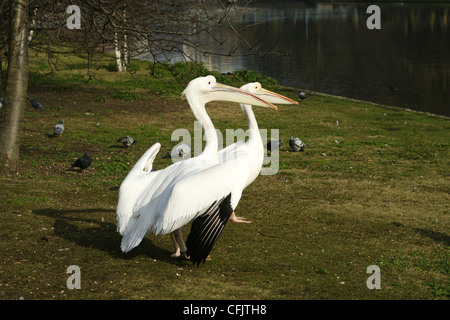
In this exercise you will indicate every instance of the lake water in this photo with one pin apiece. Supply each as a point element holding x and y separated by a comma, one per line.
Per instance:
<point>327,47</point>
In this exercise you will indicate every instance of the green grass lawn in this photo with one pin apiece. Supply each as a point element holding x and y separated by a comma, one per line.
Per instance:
<point>371,188</point>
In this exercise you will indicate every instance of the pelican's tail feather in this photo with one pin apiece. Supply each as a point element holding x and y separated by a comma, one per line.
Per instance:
<point>138,177</point>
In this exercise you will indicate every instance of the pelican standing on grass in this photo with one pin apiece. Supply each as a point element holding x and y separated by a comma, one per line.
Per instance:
<point>252,150</point>
<point>164,201</point>
<point>241,164</point>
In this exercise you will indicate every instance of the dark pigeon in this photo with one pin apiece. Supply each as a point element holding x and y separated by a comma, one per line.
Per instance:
<point>83,162</point>
<point>36,104</point>
<point>273,145</point>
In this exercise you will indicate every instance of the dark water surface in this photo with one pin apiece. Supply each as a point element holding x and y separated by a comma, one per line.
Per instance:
<point>327,47</point>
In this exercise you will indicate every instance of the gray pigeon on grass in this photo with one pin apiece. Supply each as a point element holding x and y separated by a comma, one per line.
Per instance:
<point>181,151</point>
<point>296,144</point>
<point>59,128</point>
<point>36,104</point>
<point>127,141</point>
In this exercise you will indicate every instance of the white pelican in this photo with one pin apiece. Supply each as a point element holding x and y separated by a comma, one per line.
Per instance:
<point>252,150</point>
<point>163,201</point>
<point>240,163</point>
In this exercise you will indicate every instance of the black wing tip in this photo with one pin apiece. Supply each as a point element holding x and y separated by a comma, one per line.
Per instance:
<point>197,261</point>
<point>206,229</point>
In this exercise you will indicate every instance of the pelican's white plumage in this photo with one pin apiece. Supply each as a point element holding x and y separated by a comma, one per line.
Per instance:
<point>163,201</point>
<point>250,154</point>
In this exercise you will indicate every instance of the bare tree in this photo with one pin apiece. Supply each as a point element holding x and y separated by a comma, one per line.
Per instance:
<point>16,87</point>
<point>157,30</point>
<point>4,19</point>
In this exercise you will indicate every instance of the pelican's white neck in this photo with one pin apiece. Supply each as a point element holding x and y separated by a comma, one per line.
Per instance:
<point>198,109</point>
<point>253,129</point>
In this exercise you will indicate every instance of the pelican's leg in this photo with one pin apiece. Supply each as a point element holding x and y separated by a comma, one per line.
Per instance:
<point>238,219</point>
<point>175,244</point>
<point>180,246</point>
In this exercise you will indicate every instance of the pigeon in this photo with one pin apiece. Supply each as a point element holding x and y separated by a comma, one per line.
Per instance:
<point>36,104</point>
<point>273,145</point>
<point>59,128</point>
<point>302,95</point>
<point>181,151</point>
<point>2,102</point>
<point>296,144</point>
<point>127,141</point>
<point>83,162</point>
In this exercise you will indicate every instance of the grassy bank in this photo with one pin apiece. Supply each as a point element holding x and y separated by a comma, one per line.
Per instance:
<point>371,188</point>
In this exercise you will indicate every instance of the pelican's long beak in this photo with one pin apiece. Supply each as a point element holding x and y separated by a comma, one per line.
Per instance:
<point>221,92</point>
<point>273,97</point>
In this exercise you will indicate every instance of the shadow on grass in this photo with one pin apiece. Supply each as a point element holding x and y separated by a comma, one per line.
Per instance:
<point>74,226</point>
<point>433,235</point>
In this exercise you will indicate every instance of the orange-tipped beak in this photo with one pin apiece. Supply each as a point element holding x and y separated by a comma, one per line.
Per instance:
<point>227,93</point>
<point>274,97</point>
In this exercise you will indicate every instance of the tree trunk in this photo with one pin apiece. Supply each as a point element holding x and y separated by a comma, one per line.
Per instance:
<point>117,51</point>
<point>33,24</point>
<point>125,44</point>
<point>16,88</point>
